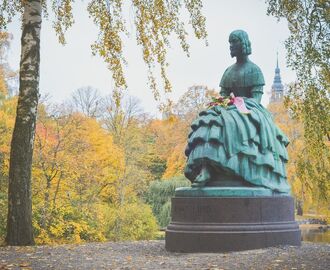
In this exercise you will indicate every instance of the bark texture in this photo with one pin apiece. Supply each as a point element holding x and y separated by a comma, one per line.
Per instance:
<point>19,224</point>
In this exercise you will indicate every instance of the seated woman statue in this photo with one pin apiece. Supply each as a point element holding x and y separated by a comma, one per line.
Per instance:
<point>228,148</point>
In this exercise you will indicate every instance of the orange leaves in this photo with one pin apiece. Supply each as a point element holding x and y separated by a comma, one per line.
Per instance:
<point>76,166</point>
<point>74,154</point>
<point>170,139</point>
<point>170,134</point>
<point>175,162</point>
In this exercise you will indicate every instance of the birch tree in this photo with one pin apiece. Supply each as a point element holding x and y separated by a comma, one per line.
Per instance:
<point>155,21</point>
<point>19,220</point>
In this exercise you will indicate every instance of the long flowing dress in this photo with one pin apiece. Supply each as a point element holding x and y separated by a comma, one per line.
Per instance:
<point>249,145</point>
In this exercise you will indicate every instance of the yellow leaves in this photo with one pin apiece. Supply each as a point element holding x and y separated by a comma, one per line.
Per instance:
<point>63,18</point>
<point>107,16</point>
<point>75,163</point>
<point>133,221</point>
<point>170,140</point>
<point>308,55</point>
<point>101,154</point>
<point>3,87</point>
<point>175,163</point>
<point>302,168</point>
<point>155,21</point>
<point>7,121</point>
<point>293,129</point>
<point>196,18</point>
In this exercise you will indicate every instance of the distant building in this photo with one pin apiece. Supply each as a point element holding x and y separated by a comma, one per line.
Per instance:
<point>277,87</point>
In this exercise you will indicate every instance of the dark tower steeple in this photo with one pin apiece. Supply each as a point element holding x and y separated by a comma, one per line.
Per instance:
<point>277,87</point>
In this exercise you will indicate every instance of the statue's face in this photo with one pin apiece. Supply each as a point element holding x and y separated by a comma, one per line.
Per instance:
<point>235,46</point>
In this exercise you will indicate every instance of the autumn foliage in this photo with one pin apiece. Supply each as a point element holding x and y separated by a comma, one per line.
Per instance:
<point>94,174</point>
<point>304,188</point>
<point>105,170</point>
<point>110,174</point>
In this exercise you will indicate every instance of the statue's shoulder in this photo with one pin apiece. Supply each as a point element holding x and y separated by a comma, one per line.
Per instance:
<point>253,75</point>
<point>227,77</point>
<point>247,75</point>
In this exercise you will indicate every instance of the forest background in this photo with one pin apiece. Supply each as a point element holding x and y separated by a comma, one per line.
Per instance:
<point>105,170</point>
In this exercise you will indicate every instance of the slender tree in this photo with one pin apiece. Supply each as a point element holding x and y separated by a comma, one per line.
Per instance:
<point>155,22</point>
<point>19,220</point>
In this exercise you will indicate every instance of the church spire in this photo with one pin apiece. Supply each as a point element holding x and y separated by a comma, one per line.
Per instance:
<point>277,87</point>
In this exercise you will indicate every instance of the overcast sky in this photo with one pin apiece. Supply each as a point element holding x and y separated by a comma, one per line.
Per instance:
<point>66,68</point>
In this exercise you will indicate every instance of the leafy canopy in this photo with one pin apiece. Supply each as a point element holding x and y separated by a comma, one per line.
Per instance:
<point>155,21</point>
<point>309,98</point>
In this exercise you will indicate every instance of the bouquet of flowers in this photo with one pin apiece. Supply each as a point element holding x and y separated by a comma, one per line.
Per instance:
<point>222,101</point>
<point>227,101</point>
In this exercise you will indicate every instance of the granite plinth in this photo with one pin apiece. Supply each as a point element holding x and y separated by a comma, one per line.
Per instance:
<point>217,224</point>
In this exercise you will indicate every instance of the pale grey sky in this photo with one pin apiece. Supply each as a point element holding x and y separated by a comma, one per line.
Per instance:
<point>66,68</point>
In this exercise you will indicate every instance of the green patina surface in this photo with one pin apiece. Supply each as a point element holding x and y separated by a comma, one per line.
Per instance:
<point>225,192</point>
<point>241,153</point>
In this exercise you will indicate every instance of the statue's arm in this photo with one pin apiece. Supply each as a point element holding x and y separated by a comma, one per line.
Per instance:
<point>224,92</point>
<point>256,93</point>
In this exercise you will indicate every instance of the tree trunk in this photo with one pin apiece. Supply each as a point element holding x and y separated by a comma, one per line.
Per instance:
<point>299,208</point>
<point>19,223</point>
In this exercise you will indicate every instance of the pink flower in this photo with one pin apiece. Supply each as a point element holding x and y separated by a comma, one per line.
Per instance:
<point>240,105</point>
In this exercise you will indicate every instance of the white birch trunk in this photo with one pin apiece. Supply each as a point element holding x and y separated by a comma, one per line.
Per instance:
<point>19,224</point>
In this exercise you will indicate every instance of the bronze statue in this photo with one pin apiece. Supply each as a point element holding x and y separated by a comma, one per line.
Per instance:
<point>228,148</point>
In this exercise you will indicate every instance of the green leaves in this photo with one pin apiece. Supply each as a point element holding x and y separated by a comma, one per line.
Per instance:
<point>159,197</point>
<point>308,53</point>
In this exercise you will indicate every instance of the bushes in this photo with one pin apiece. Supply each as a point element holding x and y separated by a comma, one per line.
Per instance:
<point>67,225</point>
<point>159,197</point>
<point>3,215</point>
<point>131,221</point>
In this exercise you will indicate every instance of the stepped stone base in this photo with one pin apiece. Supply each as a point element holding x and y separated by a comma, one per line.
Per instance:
<point>217,224</point>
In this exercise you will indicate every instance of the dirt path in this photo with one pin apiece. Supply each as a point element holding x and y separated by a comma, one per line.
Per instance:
<point>152,255</point>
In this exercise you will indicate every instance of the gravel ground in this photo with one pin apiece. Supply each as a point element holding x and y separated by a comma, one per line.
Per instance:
<point>152,255</point>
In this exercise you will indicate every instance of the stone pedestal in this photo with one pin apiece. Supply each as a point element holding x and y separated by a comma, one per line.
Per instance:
<point>216,224</point>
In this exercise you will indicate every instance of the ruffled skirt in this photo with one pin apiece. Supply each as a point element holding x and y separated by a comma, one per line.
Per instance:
<point>247,145</point>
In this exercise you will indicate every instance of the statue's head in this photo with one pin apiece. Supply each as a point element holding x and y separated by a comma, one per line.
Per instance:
<point>239,43</point>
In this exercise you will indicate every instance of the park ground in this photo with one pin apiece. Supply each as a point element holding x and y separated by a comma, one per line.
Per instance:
<point>152,255</point>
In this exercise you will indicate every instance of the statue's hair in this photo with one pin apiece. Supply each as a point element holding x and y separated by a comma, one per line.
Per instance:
<point>244,38</point>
